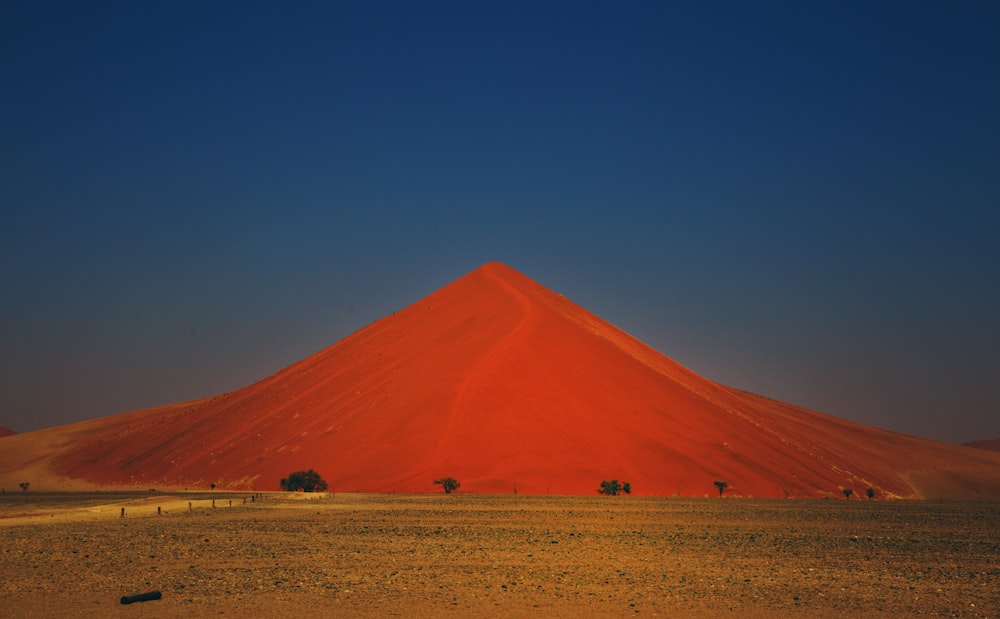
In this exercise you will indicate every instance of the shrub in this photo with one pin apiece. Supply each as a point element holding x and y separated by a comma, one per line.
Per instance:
<point>612,488</point>
<point>306,481</point>
<point>448,483</point>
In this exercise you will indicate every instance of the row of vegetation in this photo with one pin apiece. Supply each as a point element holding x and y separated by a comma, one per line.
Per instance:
<point>870,493</point>
<point>311,481</point>
<point>848,492</point>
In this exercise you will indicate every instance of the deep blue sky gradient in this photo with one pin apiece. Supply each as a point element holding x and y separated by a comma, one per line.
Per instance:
<point>800,201</point>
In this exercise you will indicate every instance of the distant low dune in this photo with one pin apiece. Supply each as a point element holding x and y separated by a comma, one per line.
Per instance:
<point>992,445</point>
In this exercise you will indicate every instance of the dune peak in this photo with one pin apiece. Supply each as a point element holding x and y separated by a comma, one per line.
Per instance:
<point>501,383</point>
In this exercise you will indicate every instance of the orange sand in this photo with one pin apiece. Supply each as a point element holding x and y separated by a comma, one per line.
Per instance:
<point>502,384</point>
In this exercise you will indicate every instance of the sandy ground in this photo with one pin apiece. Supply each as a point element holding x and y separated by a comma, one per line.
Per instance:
<point>481,555</point>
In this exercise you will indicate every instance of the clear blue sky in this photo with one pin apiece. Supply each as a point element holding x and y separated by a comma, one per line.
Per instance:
<point>800,201</point>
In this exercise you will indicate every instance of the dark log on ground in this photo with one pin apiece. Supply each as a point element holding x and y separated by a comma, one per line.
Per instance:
<point>141,597</point>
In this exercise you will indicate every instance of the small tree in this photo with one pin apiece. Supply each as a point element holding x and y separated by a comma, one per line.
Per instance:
<point>24,486</point>
<point>847,493</point>
<point>448,483</point>
<point>610,488</point>
<point>306,481</point>
<point>871,493</point>
<point>721,485</point>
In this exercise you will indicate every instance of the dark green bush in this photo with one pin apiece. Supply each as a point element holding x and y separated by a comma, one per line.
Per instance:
<point>306,481</point>
<point>612,488</point>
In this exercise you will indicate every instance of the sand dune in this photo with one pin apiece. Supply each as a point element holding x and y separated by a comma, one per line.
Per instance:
<point>502,384</point>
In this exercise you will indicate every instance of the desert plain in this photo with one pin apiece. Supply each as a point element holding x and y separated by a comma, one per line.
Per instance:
<point>472,555</point>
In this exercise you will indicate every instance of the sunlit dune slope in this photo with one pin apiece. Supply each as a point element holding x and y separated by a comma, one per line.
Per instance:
<point>502,384</point>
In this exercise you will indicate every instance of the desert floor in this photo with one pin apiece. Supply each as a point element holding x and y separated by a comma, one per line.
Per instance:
<point>487,555</point>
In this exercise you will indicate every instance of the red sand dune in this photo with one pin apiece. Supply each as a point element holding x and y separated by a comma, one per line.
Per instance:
<point>502,384</point>
<point>5,431</point>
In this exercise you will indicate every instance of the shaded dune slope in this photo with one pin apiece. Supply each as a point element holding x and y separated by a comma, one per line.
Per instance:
<point>991,444</point>
<point>505,385</point>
